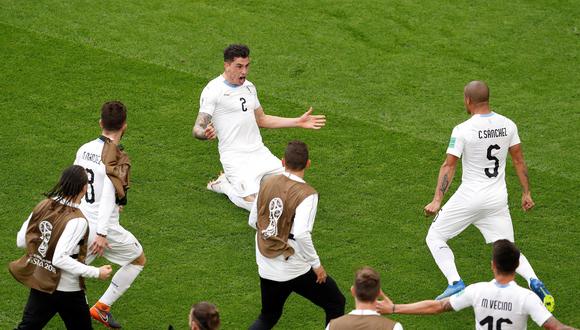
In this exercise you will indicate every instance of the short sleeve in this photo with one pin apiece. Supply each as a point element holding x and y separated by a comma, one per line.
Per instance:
<point>534,307</point>
<point>456,143</point>
<point>515,136</point>
<point>257,101</point>
<point>462,299</point>
<point>208,100</point>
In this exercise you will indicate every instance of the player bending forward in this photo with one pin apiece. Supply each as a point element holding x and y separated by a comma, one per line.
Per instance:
<point>499,303</point>
<point>230,110</point>
<point>484,142</point>
<point>108,169</point>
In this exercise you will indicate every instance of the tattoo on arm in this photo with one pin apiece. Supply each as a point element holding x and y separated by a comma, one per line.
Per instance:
<point>444,184</point>
<point>203,119</point>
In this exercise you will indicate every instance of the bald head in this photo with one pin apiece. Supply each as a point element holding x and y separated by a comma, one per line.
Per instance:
<point>477,92</point>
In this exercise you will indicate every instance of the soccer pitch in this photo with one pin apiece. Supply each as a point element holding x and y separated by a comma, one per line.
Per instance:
<point>388,76</point>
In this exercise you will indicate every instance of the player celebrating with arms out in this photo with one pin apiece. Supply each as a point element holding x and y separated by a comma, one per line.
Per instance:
<point>484,142</point>
<point>108,169</point>
<point>498,304</point>
<point>230,110</point>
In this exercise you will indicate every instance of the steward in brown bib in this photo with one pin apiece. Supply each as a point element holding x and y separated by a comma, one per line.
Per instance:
<point>365,290</point>
<point>283,216</point>
<point>55,238</point>
<point>46,224</point>
<point>278,199</point>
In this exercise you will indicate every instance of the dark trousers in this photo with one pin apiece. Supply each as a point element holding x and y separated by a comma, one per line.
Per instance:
<point>41,307</point>
<point>274,295</point>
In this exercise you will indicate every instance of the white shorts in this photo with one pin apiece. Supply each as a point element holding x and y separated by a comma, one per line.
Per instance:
<point>244,170</point>
<point>124,247</point>
<point>456,215</point>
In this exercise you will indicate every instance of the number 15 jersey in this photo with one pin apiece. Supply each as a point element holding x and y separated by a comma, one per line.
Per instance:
<point>501,306</point>
<point>483,142</point>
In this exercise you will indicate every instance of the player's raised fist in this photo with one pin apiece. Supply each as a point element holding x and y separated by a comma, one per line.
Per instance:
<point>105,272</point>
<point>432,208</point>
<point>527,202</point>
<point>308,120</point>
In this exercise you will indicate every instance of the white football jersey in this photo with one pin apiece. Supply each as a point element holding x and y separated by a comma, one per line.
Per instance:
<point>501,307</point>
<point>98,205</point>
<point>483,142</point>
<point>232,110</point>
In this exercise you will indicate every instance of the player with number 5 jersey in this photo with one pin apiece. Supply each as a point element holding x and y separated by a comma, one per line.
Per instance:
<point>108,168</point>
<point>483,142</point>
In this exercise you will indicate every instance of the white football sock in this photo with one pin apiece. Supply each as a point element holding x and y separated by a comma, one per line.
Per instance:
<point>443,258</point>
<point>122,280</point>
<point>229,191</point>
<point>525,269</point>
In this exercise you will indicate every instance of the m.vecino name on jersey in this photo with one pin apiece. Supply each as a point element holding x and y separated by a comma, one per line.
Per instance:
<point>496,304</point>
<point>92,157</point>
<point>492,133</point>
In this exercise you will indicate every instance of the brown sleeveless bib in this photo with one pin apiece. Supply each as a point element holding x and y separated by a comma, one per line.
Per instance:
<point>278,199</point>
<point>35,269</point>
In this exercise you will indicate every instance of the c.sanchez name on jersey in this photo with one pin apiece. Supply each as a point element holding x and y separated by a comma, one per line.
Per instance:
<point>483,142</point>
<point>232,110</point>
<point>98,205</point>
<point>498,306</point>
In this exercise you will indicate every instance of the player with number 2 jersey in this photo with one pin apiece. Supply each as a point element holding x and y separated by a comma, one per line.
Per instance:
<point>483,142</point>
<point>230,110</point>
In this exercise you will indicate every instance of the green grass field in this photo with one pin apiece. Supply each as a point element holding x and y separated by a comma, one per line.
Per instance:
<point>389,77</point>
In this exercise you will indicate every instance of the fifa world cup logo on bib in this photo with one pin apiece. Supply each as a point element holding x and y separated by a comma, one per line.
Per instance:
<point>276,208</point>
<point>46,231</point>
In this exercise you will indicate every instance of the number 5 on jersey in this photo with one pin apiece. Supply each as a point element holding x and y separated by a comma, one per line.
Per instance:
<point>491,157</point>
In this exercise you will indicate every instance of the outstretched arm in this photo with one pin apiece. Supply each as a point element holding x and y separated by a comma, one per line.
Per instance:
<point>203,128</point>
<point>522,171</point>
<point>307,120</point>
<point>446,174</point>
<point>386,306</point>
<point>553,324</point>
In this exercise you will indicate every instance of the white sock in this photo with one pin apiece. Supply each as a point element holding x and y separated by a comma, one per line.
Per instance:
<point>121,281</point>
<point>239,201</point>
<point>525,269</point>
<point>443,258</point>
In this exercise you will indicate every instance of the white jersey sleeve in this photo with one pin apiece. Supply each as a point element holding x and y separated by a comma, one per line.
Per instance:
<point>208,100</point>
<point>536,309</point>
<point>515,138</point>
<point>257,104</point>
<point>65,247</point>
<point>462,299</point>
<point>456,142</point>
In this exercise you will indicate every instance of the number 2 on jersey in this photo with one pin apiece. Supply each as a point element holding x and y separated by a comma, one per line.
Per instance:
<point>489,321</point>
<point>490,157</point>
<point>244,109</point>
<point>90,195</point>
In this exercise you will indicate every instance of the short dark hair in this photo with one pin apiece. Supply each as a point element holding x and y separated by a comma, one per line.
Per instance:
<point>296,155</point>
<point>367,284</point>
<point>113,115</point>
<point>236,50</point>
<point>205,315</point>
<point>72,181</point>
<point>506,256</point>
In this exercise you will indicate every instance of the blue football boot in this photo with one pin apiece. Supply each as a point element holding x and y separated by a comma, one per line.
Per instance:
<point>540,289</point>
<point>452,289</point>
